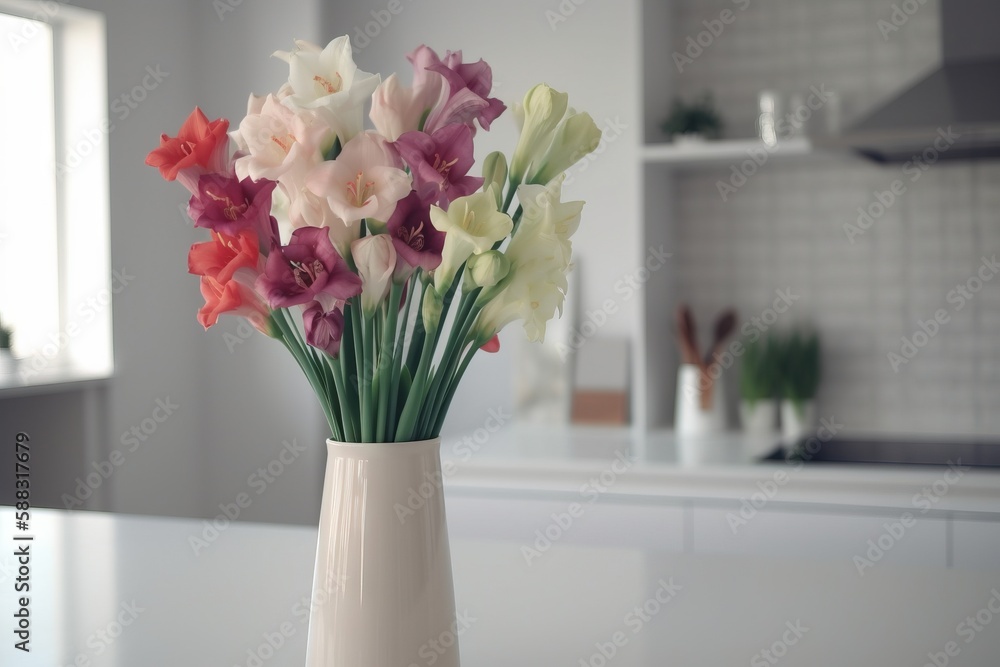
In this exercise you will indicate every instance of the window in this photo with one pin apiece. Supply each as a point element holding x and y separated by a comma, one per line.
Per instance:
<point>54,258</point>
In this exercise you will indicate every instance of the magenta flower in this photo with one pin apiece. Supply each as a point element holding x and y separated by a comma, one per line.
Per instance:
<point>228,205</point>
<point>324,328</point>
<point>418,243</point>
<point>307,269</point>
<point>439,163</point>
<point>466,98</point>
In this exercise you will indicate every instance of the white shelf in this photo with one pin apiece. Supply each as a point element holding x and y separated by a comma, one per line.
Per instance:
<point>730,151</point>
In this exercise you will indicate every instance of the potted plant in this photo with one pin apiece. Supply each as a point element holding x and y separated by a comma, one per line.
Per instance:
<point>759,379</point>
<point>800,375</point>
<point>695,121</point>
<point>8,363</point>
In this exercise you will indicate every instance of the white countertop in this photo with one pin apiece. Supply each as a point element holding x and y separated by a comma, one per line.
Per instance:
<point>126,591</point>
<point>660,465</point>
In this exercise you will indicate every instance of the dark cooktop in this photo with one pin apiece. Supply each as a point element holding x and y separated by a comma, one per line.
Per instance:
<point>982,453</point>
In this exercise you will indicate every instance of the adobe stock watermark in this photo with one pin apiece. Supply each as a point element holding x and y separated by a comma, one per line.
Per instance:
<point>768,489</point>
<point>901,14</point>
<point>432,650</point>
<point>784,127</point>
<point>101,640</point>
<point>462,450</point>
<point>563,522</point>
<point>381,19</point>
<point>958,297</point>
<point>47,10</point>
<point>562,12</point>
<point>86,313</point>
<point>752,330</point>
<point>625,288</point>
<point>122,106</point>
<point>912,170</point>
<point>275,639</point>
<point>632,624</point>
<point>778,649</point>
<point>698,44</point>
<point>131,440</point>
<point>967,630</point>
<point>893,532</point>
<point>258,481</point>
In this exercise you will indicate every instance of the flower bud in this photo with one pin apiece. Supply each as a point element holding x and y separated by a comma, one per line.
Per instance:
<point>487,269</point>
<point>431,310</point>
<point>495,174</point>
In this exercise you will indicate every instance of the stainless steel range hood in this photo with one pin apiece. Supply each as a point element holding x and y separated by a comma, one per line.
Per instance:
<point>957,106</point>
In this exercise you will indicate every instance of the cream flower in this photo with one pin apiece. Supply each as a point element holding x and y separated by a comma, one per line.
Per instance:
<point>472,224</point>
<point>540,254</point>
<point>538,117</point>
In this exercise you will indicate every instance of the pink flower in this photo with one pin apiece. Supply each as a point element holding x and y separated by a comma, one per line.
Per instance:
<point>492,345</point>
<point>279,143</point>
<point>418,243</point>
<point>365,180</point>
<point>201,146</point>
<point>307,269</point>
<point>396,109</point>
<point>227,205</point>
<point>440,163</point>
<point>465,100</point>
<point>324,328</point>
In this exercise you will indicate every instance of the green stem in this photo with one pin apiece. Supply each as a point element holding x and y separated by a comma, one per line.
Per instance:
<point>386,359</point>
<point>397,363</point>
<point>455,381</point>
<point>415,398</point>
<point>290,337</point>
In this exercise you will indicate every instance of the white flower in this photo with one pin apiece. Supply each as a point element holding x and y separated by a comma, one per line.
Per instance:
<point>375,257</point>
<point>472,224</point>
<point>282,144</point>
<point>363,182</point>
<point>328,80</point>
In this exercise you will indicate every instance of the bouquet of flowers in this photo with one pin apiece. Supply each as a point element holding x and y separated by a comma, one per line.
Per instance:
<point>375,256</point>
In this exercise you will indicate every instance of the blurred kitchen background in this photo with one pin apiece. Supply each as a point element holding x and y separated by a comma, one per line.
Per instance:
<point>718,222</point>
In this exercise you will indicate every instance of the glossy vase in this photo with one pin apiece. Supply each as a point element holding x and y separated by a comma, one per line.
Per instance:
<point>382,591</point>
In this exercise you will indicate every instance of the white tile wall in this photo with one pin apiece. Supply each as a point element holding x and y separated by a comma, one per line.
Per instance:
<point>784,228</point>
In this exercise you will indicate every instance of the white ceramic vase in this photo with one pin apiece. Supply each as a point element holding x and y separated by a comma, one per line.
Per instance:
<point>798,420</point>
<point>382,590</point>
<point>691,415</point>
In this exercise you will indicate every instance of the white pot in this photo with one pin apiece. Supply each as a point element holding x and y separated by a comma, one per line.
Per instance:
<point>759,417</point>
<point>8,363</point>
<point>797,420</point>
<point>691,416</point>
<point>383,583</point>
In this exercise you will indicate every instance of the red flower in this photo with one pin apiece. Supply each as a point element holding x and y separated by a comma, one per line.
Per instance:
<point>201,145</point>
